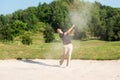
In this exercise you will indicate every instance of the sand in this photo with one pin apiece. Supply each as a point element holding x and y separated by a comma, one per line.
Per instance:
<point>39,69</point>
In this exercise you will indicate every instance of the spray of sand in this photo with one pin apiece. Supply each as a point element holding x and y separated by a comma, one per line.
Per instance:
<point>80,14</point>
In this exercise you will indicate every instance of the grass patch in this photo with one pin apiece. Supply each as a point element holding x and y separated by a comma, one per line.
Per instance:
<point>91,50</point>
<point>96,50</point>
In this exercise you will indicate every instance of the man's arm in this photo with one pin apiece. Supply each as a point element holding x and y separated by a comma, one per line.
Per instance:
<point>59,31</point>
<point>69,30</point>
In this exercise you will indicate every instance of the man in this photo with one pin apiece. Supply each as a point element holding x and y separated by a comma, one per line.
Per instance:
<point>67,45</point>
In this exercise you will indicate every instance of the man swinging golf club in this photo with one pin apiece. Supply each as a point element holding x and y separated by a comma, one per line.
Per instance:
<point>67,45</point>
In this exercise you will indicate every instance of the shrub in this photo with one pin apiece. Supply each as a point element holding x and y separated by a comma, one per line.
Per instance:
<point>26,39</point>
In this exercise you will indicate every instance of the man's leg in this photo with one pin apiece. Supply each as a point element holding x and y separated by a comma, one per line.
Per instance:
<point>63,55</point>
<point>70,48</point>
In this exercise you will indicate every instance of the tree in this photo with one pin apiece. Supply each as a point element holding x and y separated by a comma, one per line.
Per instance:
<point>29,17</point>
<point>112,21</point>
<point>18,28</point>
<point>95,27</point>
<point>48,34</point>
<point>59,15</point>
<point>6,33</point>
<point>44,13</point>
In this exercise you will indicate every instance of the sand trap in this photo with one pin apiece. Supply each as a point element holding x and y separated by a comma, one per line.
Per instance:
<point>49,70</point>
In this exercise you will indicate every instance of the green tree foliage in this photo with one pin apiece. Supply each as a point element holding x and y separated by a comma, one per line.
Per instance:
<point>59,15</point>
<point>96,28</point>
<point>5,28</point>
<point>28,16</point>
<point>26,39</point>
<point>110,19</point>
<point>48,34</point>
<point>18,28</point>
<point>39,27</point>
<point>6,33</point>
<point>104,24</point>
<point>44,12</point>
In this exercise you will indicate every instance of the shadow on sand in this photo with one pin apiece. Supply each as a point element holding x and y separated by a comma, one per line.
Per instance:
<point>37,62</point>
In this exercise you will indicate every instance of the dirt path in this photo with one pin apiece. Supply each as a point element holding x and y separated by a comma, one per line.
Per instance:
<point>49,70</point>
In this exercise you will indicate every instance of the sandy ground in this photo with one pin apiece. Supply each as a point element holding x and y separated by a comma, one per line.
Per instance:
<point>49,70</point>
